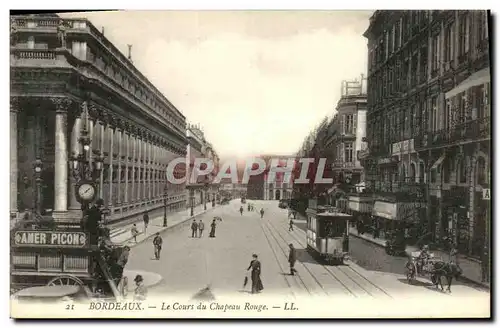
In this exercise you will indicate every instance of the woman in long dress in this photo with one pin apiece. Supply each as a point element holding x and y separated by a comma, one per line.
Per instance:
<point>212,229</point>
<point>256,281</point>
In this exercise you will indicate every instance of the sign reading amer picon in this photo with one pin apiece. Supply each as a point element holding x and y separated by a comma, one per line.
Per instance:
<point>50,238</point>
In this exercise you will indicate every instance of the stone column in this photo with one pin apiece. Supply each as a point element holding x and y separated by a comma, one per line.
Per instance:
<point>110,171</point>
<point>134,158</point>
<point>139,178</point>
<point>14,106</point>
<point>144,167</point>
<point>101,147</point>
<point>127,154</point>
<point>61,155</point>
<point>75,151</point>
<point>119,176</point>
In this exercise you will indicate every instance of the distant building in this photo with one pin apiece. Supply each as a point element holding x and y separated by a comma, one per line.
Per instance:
<point>346,132</point>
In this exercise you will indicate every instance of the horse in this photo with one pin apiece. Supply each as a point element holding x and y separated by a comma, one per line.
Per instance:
<point>449,270</point>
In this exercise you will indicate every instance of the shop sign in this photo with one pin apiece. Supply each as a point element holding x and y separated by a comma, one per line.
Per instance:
<point>385,210</point>
<point>406,146</point>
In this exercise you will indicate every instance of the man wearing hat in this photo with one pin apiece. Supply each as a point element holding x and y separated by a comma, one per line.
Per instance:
<point>140,290</point>
<point>292,258</point>
<point>94,215</point>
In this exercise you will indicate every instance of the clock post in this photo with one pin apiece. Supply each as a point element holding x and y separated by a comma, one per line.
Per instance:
<point>85,171</point>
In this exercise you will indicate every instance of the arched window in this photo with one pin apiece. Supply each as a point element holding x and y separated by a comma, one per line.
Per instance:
<point>481,171</point>
<point>447,169</point>
<point>412,172</point>
<point>461,172</point>
<point>421,172</point>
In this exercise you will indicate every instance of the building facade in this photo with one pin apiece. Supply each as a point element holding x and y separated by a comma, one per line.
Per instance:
<point>429,123</point>
<point>201,190</point>
<point>59,69</point>
<point>344,139</point>
<point>279,188</point>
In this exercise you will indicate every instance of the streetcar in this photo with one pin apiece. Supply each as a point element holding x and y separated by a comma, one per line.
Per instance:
<point>327,233</point>
<point>62,259</point>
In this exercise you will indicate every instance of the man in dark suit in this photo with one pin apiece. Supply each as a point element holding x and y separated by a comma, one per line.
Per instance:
<point>292,258</point>
<point>194,229</point>
<point>94,215</point>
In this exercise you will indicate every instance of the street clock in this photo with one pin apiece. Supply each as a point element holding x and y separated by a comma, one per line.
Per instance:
<point>85,192</point>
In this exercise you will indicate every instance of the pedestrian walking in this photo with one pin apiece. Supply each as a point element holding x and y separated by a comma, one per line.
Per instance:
<point>194,229</point>
<point>213,225</point>
<point>290,227</point>
<point>157,243</point>
<point>292,258</point>
<point>255,265</point>
<point>145,218</point>
<point>201,227</point>
<point>134,232</point>
<point>122,262</point>
<point>261,213</point>
<point>140,292</point>
<point>241,210</point>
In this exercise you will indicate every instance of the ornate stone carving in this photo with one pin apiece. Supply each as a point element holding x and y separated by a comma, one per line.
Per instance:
<point>15,104</point>
<point>61,104</point>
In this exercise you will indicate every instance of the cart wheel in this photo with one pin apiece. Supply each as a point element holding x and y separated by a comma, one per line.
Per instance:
<point>65,280</point>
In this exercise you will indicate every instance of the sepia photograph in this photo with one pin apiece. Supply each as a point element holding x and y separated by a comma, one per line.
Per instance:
<point>250,164</point>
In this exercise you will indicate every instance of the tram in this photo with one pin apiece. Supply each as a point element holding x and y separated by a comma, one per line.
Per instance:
<point>327,233</point>
<point>62,259</point>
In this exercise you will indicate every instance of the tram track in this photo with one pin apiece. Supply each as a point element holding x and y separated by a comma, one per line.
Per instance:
<point>293,284</point>
<point>351,279</point>
<point>325,286</point>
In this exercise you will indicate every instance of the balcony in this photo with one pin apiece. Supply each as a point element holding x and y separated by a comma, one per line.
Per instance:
<point>470,131</point>
<point>401,191</point>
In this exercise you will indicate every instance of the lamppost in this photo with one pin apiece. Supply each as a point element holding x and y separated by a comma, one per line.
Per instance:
<point>38,166</point>
<point>205,198</point>
<point>86,173</point>
<point>165,196</point>
<point>191,200</point>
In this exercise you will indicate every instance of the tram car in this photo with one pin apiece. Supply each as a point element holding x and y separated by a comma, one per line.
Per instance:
<point>61,259</point>
<point>327,234</point>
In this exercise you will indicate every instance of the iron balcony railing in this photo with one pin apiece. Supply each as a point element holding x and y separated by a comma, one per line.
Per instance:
<point>405,191</point>
<point>468,131</point>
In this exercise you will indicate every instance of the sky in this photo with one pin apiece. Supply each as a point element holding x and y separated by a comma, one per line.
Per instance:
<point>256,81</point>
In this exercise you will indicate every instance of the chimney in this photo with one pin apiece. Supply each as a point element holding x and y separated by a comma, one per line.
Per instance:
<point>129,52</point>
<point>102,30</point>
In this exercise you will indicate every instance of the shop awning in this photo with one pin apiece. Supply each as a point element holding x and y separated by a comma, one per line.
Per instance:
<point>478,78</point>
<point>385,210</point>
<point>438,162</point>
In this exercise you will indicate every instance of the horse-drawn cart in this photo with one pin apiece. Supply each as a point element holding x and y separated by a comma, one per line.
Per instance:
<point>61,257</point>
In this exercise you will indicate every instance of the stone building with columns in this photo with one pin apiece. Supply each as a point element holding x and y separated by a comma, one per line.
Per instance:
<point>202,190</point>
<point>61,68</point>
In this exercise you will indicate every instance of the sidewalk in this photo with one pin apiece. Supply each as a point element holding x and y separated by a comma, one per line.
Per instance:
<point>471,269</point>
<point>123,236</point>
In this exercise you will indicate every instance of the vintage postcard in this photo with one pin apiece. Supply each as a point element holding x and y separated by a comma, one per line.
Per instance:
<point>250,164</point>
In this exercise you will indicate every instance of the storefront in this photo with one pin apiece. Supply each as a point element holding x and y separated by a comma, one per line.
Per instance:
<point>385,216</point>
<point>360,207</point>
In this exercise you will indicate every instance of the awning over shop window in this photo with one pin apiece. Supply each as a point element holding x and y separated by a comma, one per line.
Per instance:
<point>385,210</point>
<point>478,78</point>
<point>438,162</point>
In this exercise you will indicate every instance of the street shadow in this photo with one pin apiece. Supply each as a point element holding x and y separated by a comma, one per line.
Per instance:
<point>245,291</point>
<point>304,256</point>
<point>417,283</point>
<point>300,225</point>
<point>438,290</point>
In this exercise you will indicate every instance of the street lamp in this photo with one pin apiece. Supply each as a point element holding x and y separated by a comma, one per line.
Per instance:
<point>86,174</point>
<point>191,201</point>
<point>205,198</point>
<point>38,166</point>
<point>165,196</point>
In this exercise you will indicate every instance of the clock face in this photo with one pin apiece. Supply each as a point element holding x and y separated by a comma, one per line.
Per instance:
<point>86,191</point>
